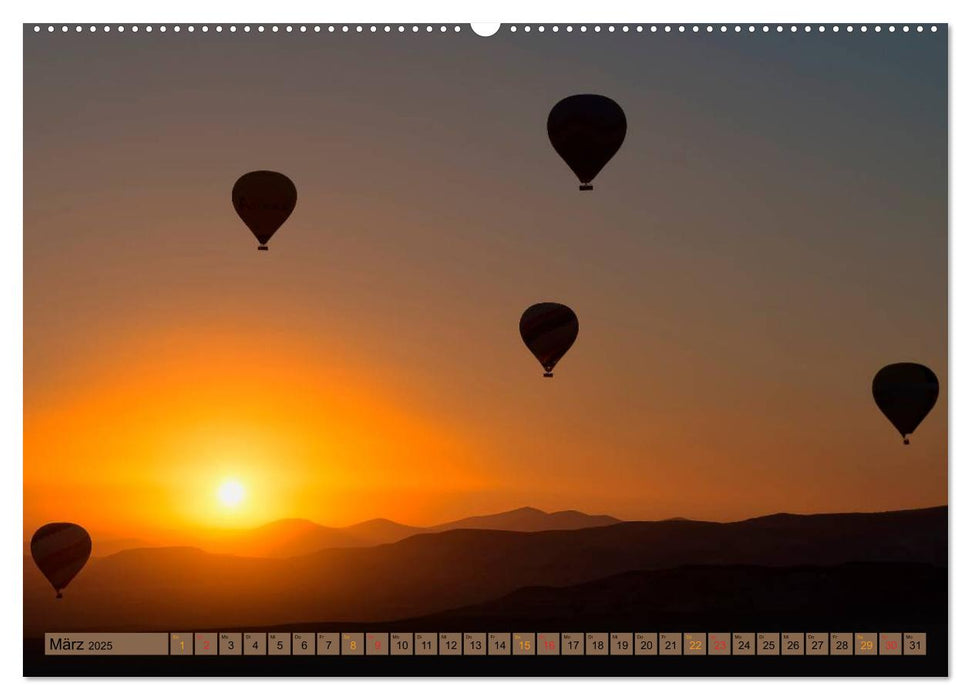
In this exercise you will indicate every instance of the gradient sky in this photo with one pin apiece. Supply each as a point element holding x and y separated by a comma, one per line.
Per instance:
<point>772,232</point>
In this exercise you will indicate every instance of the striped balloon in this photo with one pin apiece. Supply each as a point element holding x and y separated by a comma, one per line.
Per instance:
<point>60,551</point>
<point>549,329</point>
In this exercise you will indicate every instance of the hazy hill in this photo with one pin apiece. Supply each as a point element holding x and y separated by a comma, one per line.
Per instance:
<point>188,588</point>
<point>294,536</point>
<point>102,548</point>
<point>281,538</point>
<point>382,531</point>
<point>528,520</point>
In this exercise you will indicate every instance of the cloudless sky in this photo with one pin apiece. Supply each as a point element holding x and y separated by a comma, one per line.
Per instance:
<point>771,233</point>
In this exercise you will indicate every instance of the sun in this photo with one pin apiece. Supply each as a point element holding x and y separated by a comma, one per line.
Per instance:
<point>231,493</point>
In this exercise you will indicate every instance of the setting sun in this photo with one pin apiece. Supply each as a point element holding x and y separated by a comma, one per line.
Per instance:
<point>231,493</point>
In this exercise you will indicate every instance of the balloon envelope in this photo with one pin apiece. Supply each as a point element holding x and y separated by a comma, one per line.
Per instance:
<point>264,200</point>
<point>60,551</point>
<point>905,392</point>
<point>548,329</point>
<point>586,130</point>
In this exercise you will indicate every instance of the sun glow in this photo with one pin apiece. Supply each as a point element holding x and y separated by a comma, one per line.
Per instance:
<point>231,493</point>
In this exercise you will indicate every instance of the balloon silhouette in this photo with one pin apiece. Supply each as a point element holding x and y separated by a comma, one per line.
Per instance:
<point>905,392</point>
<point>264,200</point>
<point>60,551</point>
<point>586,130</point>
<point>548,329</point>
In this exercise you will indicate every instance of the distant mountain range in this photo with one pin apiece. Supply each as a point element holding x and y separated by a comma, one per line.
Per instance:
<point>294,537</point>
<point>432,572</point>
<point>529,520</point>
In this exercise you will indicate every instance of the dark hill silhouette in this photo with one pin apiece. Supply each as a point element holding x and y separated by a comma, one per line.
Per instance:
<point>426,573</point>
<point>853,597</point>
<point>846,596</point>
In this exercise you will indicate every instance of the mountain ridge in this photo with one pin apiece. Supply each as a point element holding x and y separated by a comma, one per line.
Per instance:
<point>302,536</point>
<point>287,537</point>
<point>430,572</point>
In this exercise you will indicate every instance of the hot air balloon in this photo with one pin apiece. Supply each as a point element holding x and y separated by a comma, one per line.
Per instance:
<point>586,130</point>
<point>264,200</point>
<point>905,392</point>
<point>60,551</point>
<point>548,329</point>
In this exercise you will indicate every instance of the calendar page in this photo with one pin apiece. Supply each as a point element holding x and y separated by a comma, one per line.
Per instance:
<point>515,350</point>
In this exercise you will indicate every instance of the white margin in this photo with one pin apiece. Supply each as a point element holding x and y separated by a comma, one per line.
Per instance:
<point>508,11</point>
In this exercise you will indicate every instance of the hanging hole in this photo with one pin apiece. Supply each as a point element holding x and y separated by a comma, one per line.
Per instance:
<point>485,28</point>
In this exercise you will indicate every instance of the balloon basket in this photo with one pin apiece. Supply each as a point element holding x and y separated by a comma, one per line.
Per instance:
<point>906,441</point>
<point>547,374</point>
<point>262,247</point>
<point>585,188</point>
<point>59,595</point>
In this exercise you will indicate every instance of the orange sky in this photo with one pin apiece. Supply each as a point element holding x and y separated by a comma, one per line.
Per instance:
<point>750,258</point>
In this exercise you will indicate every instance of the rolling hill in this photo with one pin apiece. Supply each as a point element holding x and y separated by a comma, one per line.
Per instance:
<point>742,597</point>
<point>188,588</point>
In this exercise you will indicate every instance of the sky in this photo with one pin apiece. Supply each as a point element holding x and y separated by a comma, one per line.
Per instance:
<point>771,233</point>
